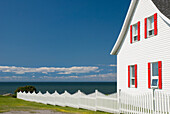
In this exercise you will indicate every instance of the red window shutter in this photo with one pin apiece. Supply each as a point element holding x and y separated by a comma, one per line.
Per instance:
<point>135,76</point>
<point>155,24</point>
<point>149,75</point>
<point>130,33</point>
<point>128,76</point>
<point>160,74</point>
<point>145,28</point>
<point>138,30</point>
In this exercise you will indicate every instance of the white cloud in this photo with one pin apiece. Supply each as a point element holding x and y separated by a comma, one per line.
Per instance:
<point>95,77</point>
<point>112,65</point>
<point>46,70</point>
<point>101,75</point>
<point>73,76</point>
<point>12,77</point>
<point>5,77</point>
<point>107,75</point>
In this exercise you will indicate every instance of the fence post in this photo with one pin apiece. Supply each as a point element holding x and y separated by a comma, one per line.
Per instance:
<point>65,98</point>
<point>119,101</point>
<point>154,100</point>
<point>79,98</point>
<point>96,91</point>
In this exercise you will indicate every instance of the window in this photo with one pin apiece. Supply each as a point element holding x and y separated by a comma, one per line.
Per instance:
<point>151,26</point>
<point>154,75</point>
<point>135,33</point>
<point>132,75</point>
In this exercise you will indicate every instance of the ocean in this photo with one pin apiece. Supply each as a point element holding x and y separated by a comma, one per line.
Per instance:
<point>71,87</point>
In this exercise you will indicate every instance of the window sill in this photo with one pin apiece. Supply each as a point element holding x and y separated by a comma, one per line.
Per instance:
<point>152,87</point>
<point>132,86</point>
<point>150,36</point>
<point>135,41</point>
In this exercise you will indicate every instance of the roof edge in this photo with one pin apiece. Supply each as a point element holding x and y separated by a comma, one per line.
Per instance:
<point>125,24</point>
<point>160,13</point>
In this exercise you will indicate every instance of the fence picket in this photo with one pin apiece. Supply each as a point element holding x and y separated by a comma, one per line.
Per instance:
<point>167,103</point>
<point>127,103</point>
<point>147,104</point>
<point>124,103</point>
<point>163,103</point>
<point>157,105</point>
<point>138,102</point>
<point>142,104</point>
<point>166,112</point>
<point>151,103</point>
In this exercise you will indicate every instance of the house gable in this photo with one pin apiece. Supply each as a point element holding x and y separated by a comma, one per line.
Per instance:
<point>152,49</point>
<point>134,15</point>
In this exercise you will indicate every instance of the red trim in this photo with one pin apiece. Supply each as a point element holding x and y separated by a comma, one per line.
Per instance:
<point>149,75</point>
<point>136,76</point>
<point>138,30</point>
<point>145,28</point>
<point>155,24</point>
<point>160,74</point>
<point>130,33</point>
<point>129,76</point>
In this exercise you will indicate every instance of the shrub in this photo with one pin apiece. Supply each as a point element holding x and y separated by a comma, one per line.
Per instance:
<point>27,89</point>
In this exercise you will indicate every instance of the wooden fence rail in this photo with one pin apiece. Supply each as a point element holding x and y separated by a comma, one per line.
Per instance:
<point>147,103</point>
<point>95,101</point>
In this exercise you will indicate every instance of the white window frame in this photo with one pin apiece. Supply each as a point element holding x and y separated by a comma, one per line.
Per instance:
<point>150,25</point>
<point>154,77</point>
<point>135,32</point>
<point>131,77</point>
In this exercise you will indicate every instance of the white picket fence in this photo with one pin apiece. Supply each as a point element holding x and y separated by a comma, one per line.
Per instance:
<point>127,103</point>
<point>145,103</point>
<point>95,101</point>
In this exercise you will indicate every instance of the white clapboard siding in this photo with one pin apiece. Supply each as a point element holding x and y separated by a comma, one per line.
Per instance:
<point>152,49</point>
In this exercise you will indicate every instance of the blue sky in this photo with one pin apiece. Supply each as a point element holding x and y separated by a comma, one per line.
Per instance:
<point>59,40</point>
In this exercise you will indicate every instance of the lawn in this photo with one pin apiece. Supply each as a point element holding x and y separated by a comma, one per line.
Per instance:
<point>13,104</point>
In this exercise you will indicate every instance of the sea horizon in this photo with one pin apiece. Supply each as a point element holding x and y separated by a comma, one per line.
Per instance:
<point>71,87</point>
<point>63,81</point>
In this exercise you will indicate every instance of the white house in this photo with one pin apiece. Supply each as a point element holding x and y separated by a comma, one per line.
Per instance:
<point>143,48</point>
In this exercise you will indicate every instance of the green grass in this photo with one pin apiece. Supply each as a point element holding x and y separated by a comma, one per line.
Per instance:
<point>13,104</point>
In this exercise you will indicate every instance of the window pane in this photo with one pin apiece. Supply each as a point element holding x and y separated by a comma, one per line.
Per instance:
<point>155,82</point>
<point>133,81</point>
<point>132,71</point>
<point>135,38</point>
<point>152,22</point>
<point>151,32</point>
<point>155,69</point>
<point>135,32</point>
<point>149,23</point>
<point>136,27</point>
